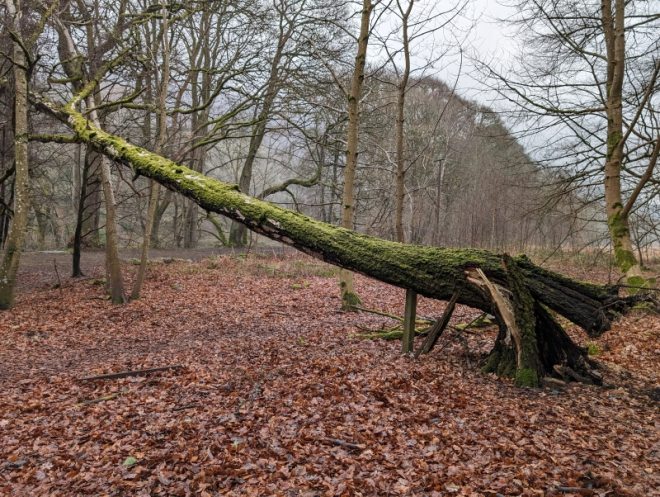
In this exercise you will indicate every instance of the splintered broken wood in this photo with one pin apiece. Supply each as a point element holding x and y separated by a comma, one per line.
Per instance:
<point>438,327</point>
<point>124,374</point>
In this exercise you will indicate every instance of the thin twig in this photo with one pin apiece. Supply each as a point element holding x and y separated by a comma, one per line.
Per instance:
<point>388,315</point>
<point>341,443</point>
<point>101,399</point>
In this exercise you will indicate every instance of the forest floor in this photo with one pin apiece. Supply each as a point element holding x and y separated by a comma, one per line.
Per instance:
<point>275,397</point>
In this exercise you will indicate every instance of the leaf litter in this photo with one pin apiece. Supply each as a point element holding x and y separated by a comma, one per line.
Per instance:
<point>273,398</point>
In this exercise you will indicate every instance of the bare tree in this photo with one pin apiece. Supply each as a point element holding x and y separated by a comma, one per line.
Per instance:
<point>160,140</point>
<point>587,78</point>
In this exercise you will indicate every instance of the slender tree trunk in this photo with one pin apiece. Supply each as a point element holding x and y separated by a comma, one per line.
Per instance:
<point>162,131</point>
<point>42,225</point>
<point>348,296</point>
<point>16,238</point>
<point>77,177</point>
<point>237,232</point>
<point>158,217</point>
<point>617,221</point>
<point>5,220</point>
<point>438,202</point>
<point>401,102</point>
<point>113,264</point>
<point>77,236</point>
<point>93,200</point>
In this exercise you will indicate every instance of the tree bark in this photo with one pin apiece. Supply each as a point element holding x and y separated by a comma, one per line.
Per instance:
<point>158,217</point>
<point>401,102</point>
<point>349,298</point>
<point>113,264</point>
<point>80,219</point>
<point>16,238</point>
<point>617,219</point>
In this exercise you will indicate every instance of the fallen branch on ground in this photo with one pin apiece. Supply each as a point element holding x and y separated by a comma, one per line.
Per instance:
<point>124,374</point>
<point>349,445</point>
<point>100,399</point>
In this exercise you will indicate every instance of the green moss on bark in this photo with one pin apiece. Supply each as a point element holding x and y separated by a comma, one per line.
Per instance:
<point>349,301</point>
<point>639,281</point>
<point>429,271</point>
<point>527,378</point>
<point>529,361</point>
<point>502,361</point>
<point>624,259</point>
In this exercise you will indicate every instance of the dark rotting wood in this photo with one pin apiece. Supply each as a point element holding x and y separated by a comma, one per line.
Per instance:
<point>438,327</point>
<point>124,374</point>
<point>409,319</point>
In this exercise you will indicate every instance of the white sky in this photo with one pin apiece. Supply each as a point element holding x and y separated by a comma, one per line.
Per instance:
<point>486,40</point>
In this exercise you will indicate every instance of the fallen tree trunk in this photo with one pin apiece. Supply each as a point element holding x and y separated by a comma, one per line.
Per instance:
<point>437,273</point>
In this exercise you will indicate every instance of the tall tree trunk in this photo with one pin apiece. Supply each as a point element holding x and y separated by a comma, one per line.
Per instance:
<point>5,217</point>
<point>113,264</point>
<point>16,238</point>
<point>617,220</point>
<point>80,218</point>
<point>438,202</point>
<point>42,225</point>
<point>401,102</point>
<point>348,296</point>
<point>93,199</point>
<point>158,217</point>
<point>162,132</point>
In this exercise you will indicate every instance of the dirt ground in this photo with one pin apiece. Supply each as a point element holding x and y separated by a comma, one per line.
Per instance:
<point>276,395</point>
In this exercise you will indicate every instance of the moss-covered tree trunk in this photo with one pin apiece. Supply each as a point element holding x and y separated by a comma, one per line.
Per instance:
<point>531,343</point>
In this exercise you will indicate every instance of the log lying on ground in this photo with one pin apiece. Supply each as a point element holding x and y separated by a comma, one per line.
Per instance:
<point>438,273</point>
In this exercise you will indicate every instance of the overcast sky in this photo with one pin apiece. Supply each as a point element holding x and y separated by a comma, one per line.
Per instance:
<point>486,39</point>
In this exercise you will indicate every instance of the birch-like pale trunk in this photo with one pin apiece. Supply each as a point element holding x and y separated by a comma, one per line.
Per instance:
<point>113,264</point>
